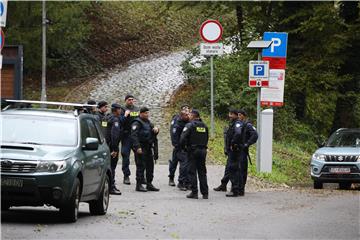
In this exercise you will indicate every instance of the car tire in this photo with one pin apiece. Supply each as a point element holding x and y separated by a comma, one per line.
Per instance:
<point>100,206</point>
<point>318,185</point>
<point>344,185</point>
<point>70,211</point>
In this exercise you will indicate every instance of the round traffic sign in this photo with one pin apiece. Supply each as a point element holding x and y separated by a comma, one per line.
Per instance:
<point>2,40</point>
<point>211,31</point>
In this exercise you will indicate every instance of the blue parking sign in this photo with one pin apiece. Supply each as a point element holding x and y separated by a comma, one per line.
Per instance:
<point>278,47</point>
<point>259,70</point>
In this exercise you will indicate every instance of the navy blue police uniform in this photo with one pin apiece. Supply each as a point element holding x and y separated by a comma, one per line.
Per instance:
<point>194,139</point>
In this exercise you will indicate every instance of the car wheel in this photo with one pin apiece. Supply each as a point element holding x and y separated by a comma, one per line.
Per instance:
<point>70,211</point>
<point>318,185</point>
<point>100,206</point>
<point>344,185</point>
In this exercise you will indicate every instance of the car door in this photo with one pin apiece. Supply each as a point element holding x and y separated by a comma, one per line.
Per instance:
<point>103,153</point>
<point>91,157</point>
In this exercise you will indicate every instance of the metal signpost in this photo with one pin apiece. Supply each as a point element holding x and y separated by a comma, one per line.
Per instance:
<point>259,45</point>
<point>211,32</point>
<point>43,75</point>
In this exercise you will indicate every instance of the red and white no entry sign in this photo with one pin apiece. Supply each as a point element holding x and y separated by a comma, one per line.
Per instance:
<point>211,31</point>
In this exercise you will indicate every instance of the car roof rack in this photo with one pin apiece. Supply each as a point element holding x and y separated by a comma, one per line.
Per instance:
<point>27,104</point>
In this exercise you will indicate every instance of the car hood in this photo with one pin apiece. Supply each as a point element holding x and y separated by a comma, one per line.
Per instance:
<point>339,151</point>
<point>35,152</point>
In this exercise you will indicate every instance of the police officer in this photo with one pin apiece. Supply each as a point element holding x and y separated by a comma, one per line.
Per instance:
<point>179,155</point>
<point>143,134</point>
<point>115,123</point>
<point>194,139</point>
<point>177,124</point>
<point>248,137</point>
<point>102,116</point>
<point>131,112</point>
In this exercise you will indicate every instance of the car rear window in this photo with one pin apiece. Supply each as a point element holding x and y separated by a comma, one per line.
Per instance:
<point>39,130</point>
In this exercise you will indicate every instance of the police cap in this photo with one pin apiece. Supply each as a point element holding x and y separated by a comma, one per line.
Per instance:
<point>115,106</point>
<point>195,112</point>
<point>233,111</point>
<point>243,112</point>
<point>91,102</point>
<point>144,109</point>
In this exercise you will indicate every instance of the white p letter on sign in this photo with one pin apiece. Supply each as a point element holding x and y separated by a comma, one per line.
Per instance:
<point>276,43</point>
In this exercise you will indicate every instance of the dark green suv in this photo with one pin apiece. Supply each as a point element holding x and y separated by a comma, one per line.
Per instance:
<point>54,157</point>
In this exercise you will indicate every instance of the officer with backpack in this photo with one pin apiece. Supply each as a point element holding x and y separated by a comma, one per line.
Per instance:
<point>143,136</point>
<point>248,136</point>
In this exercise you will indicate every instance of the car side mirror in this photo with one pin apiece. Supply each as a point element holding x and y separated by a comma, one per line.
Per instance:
<point>91,144</point>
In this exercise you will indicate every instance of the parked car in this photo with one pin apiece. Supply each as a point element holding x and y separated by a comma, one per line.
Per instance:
<point>338,161</point>
<point>54,157</point>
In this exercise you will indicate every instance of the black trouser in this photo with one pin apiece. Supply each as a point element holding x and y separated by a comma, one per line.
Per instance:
<point>243,165</point>
<point>179,156</point>
<point>197,159</point>
<point>126,145</point>
<point>114,161</point>
<point>144,162</point>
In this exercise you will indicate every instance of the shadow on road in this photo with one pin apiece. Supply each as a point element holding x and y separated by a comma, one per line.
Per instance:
<point>37,216</point>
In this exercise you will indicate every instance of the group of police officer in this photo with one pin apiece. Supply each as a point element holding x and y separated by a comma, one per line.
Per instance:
<point>131,127</point>
<point>189,137</point>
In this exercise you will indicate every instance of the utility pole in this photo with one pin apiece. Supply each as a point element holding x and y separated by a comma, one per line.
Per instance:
<point>43,74</point>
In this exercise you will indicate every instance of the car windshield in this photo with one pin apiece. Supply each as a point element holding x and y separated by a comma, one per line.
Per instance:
<point>344,139</point>
<point>38,130</point>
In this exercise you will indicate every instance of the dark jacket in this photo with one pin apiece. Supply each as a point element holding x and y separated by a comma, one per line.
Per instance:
<point>233,135</point>
<point>114,131</point>
<point>134,113</point>
<point>176,130</point>
<point>194,134</point>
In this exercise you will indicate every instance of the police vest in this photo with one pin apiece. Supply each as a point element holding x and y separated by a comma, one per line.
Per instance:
<point>198,134</point>
<point>134,113</point>
<point>145,132</point>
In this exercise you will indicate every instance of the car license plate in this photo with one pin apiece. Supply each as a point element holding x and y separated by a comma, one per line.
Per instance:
<point>340,170</point>
<point>12,182</point>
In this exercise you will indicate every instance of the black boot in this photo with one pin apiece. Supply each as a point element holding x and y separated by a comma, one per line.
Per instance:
<point>171,182</point>
<point>115,191</point>
<point>140,188</point>
<point>192,195</point>
<point>232,194</point>
<point>221,188</point>
<point>242,193</point>
<point>151,187</point>
<point>205,196</point>
<point>127,180</point>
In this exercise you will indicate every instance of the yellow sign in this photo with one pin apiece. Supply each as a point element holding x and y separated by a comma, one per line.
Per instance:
<point>200,129</point>
<point>104,124</point>
<point>134,114</point>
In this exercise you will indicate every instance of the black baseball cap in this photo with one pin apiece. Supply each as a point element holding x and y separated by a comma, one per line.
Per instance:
<point>91,102</point>
<point>144,109</point>
<point>195,112</point>
<point>102,104</point>
<point>129,96</point>
<point>233,111</point>
<point>243,112</point>
<point>115,106</point>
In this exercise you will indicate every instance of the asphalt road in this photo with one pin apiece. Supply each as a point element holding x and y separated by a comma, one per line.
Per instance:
<point>264,213</point>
